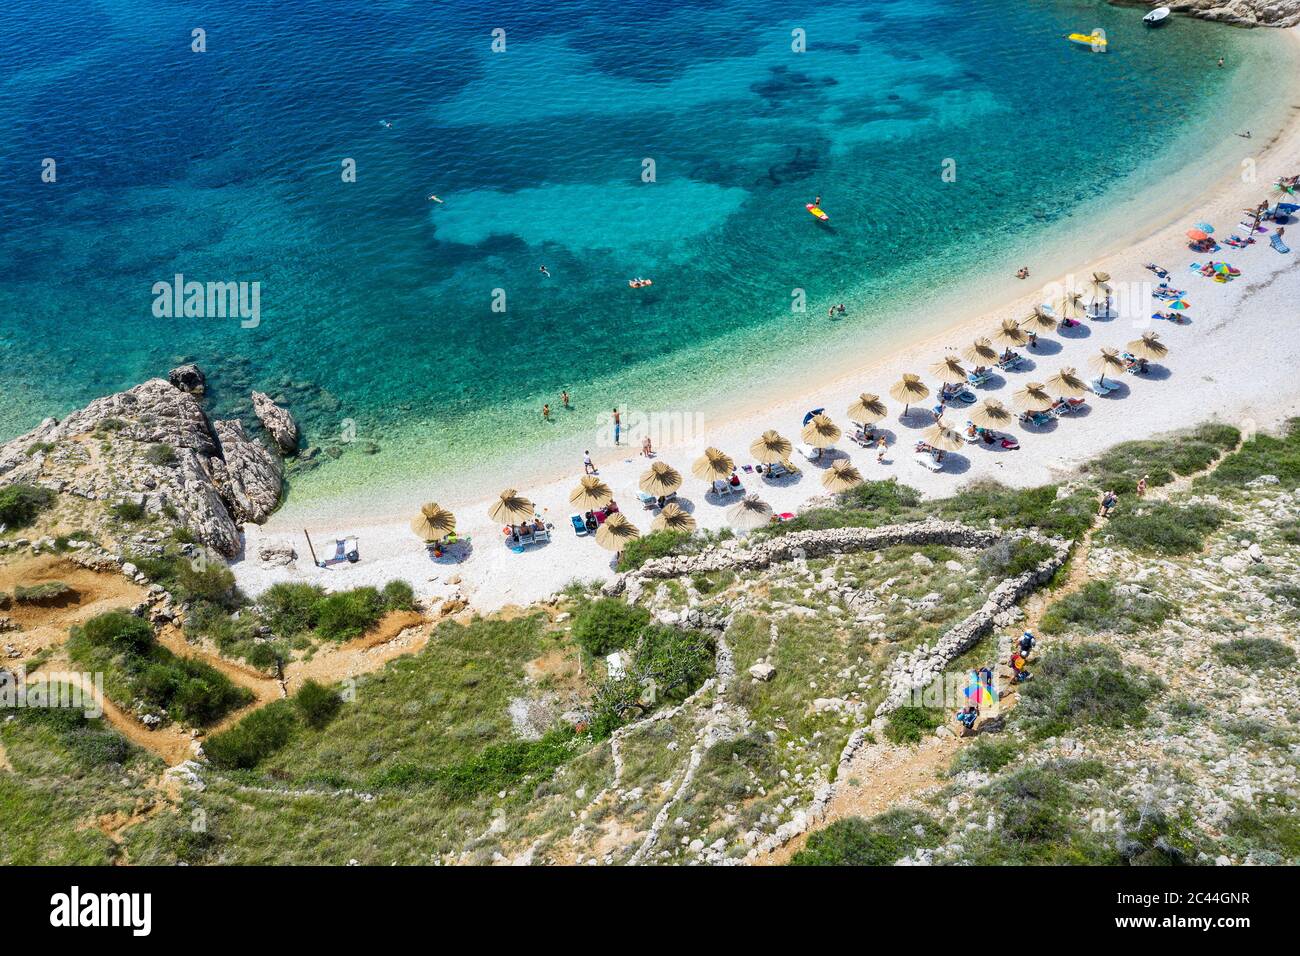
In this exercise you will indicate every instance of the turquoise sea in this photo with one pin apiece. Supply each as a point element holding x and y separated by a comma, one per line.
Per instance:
<point>377,322</point>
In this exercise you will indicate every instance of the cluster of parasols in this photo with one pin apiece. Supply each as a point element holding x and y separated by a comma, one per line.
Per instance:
<point>660,483</point>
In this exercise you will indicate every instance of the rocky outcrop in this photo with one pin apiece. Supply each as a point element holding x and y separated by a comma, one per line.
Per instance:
<point>1253,13</point>
<point>277,421</point>
<point>154,445</point>
<point>188,378</point>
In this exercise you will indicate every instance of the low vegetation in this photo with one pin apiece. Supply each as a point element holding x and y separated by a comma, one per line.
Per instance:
<point>1160,527</point>
<point>1100,606</point>
<point>21,504</point>
<point>1255,653</point>
<point>880,841</point>
<point>1086,685</point>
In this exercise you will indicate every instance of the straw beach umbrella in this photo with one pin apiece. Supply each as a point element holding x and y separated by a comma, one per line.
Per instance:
<point>616,532</point>
<point>992,414</point>
<point>713,465</point>
<point>981,352</point>
<point>942,438</point>
<point>1032,398</point>
<point>673,518</point>
<point>868,409</point>
<point>909,389</point>
<point>1066,383</point>
<point>591,493</point>
<point>1149,347</point>
<point>434,523</point>
<point>749,513</point>
<point>770,448</point>
<point>511,508</point>
<point>1010,334</point>
<point>1108,360</point>
<point>1099,287</point>
<point>842,476</point>
<point>661,479</point>
<point>820,432</point>
<point>1039,320</point>
<point>949,370</point>
<point>1070,305</point>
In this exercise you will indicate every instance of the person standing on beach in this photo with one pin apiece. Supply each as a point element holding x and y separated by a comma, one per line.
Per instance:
<point>618,426</point>
<point>880,450</point>
<point>587,466</point>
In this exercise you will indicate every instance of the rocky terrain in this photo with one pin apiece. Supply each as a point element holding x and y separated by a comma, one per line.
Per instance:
<point>153,446</point>
<point>1268,13</point>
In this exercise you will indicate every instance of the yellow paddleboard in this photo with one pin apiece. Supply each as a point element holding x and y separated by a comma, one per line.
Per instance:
<point>1088,39</point>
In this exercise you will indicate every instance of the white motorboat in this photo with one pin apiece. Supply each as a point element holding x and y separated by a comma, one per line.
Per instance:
<point>1156,17</point>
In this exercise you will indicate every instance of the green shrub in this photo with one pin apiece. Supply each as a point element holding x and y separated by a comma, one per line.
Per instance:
<point>190,690</point>
<point>1068,517</point>
<point>1102,606</point>
<point>1165,528</point>
<point>162,455</point>
<point>1263,455</point>
<point>496,768</point>
<point>254,738</point>
<point>1161,459</point>
<point>39,448</point>
<point>46,593</point>
<point>607,625</point>
<point>1255,653</point>
<point>909,725</point>
<point>206,580</point>
<point>290,609</point>
<point>1276,830</point>
<point>669,664</point>
<point>20,504</point>
<point>659,544</point>
<point>1082,685</point>
<point>119,632</point>
<point>988,756</point>
<point>398,596</point>
<point>90,740</point>
<point>128,511</point>
<point>1011,558</point>
<point>348,614</point>
<point>880,841</point>
<point>316,704</point>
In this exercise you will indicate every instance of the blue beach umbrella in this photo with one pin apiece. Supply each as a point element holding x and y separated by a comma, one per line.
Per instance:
<point>1205,227</point>
<point>813,414</point>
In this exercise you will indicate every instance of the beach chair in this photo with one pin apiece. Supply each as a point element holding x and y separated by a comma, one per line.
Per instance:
<point>579,526</point>
<point>812,454</point>
<point>1276,242</point>
<point>1011,364</point>
<point>649,501</point>
<point>1102,388</point>
<point>926,461</point>
<point>1040,418</point>
<point>979,378</point>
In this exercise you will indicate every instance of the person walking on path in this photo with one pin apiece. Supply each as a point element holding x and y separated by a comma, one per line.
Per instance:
<point>587,466</point>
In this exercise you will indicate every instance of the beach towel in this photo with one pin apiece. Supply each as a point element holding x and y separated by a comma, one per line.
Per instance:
<point>1276,241</point>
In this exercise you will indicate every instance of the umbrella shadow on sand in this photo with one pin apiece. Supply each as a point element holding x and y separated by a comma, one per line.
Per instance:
<point>1121,389</point>
<point>954,464</point>
<point>1027,363</point>
<point>915,417</point>
<point>1079,331</point>
<point>1046,347</point>
<point>784,481</point>
<point>1040,429</point>
<point>1156,373</point>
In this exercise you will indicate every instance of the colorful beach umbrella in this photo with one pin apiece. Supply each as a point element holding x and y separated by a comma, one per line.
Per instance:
<point>820,432</point>
<point>661,479</point>
<point>673,518</point>
<point>591,493</point>
<point>1197,235</point>
<point>615,532</point>
<point>434,522</point>
<point>978,692</point>
<point>712,465</point>
<point>1178,304</point>
<point>770,447</point>
<point>841,476</point>
<point>511,508</point>
<point>868,409</point>
<point>749,513</point>
<point>1205,227</point>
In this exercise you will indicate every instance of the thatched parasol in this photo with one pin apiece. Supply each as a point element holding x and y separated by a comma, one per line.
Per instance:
<point>591,493</point>
<point>1010,334</point>
<point>749,513</point>
<point>909,389</point>
<point>673,518</point>
<point>1039,320</point>
<point>992,414</point>
<point>1149,347</point>
<point>841,476</point>
<point>1108,360</point>
<point>1070,305</point>
<point>868,409</point>
<point>434,523</point>
<point>949,370</point>
<point>945,439</point>
<point>511,508</point>
<point>981,352</point>
<point>1066,383</point>
<point>661,479</point>
<point>616,532</point>
<point>770,447</point>
<point>713,465</point>
<point>1032,398</point>
<point>820,432</point>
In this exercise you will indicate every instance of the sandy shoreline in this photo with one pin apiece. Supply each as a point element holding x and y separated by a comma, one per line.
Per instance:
<point>1232,362</point>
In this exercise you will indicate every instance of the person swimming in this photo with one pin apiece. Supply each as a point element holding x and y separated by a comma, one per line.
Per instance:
<point>385,124</point>
<point>434,198</point>
<point>544,271</point>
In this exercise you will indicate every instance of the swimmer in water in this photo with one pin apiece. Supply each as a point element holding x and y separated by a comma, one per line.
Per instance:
<point>544,271</point>
<point>434,198</point>
<point>385,124</point>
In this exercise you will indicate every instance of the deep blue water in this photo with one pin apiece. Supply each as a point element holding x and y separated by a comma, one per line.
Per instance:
<point>376,304</point>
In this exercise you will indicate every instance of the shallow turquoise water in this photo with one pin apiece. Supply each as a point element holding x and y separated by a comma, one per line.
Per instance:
<point>377,318</point>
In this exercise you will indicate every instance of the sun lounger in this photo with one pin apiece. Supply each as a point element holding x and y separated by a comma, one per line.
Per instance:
<point>812,454</point>
<point>1011,364</point>
<point>926,461</point>
<point>777,470</point>
<point>579,526</point>
<point>979,378</point>
<point>1276,242</point>
<point>1101,387</point>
